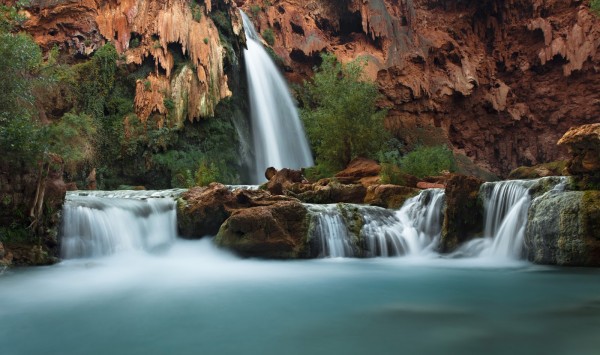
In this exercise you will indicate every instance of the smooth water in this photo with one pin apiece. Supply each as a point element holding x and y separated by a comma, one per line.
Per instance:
<point>278,135</point>
<point>196,299</point>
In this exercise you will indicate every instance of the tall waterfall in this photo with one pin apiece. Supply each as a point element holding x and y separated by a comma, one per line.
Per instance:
<point>347,230</point>
<point>98,223</point>
<point>278,136</point>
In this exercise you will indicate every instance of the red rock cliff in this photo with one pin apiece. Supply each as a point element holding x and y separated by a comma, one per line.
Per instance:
<point>500,80</point>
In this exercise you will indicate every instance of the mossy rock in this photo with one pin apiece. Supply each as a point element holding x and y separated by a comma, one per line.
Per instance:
<point>556,168</point>
<point>564,229</point>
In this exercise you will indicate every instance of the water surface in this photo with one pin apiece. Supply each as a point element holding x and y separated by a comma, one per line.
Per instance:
<point>194,299</point>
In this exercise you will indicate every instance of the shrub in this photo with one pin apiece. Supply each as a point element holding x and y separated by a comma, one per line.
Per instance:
<point>428,161</point>
<point>255,10</point>
<point>206,173</point>
<point>73,139</point>
<point>269,36</point>
<point>340,114</point>
<point>595,6</point>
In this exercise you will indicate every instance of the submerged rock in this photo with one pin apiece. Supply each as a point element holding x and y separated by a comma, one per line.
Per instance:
<point>564,229</point>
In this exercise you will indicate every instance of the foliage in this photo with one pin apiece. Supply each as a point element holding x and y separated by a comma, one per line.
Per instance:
<point>207,173</point>
<point>196,11</point>
<point>595,6</point>
<point>428,161</point>
<point>20,60</point>
<point>73,139</point>
<point>255,10</point>
<point>96,79</point>
<point>340,114</point>
<point>269,36</point>
<point>317,172</point>
<point>201,153</point>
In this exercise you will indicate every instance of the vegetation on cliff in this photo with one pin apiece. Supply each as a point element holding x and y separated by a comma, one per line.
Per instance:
<point>340,114</point>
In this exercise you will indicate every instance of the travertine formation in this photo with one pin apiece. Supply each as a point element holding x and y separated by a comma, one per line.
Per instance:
<point>147,31</point>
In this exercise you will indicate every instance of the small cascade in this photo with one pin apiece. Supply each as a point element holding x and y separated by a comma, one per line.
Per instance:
<point>346,230</point>
<point>278,136</point>
<point>103,223</point>
<point>506,206</point>
<point>328,226</point>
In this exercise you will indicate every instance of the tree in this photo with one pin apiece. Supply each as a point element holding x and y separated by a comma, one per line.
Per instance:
<point>340,114</point>
<point>20,58</point>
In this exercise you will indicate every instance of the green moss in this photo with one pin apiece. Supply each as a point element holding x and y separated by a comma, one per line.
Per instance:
<point>354,222</point>
<point>269,36</point>
<point>555,168</point>
<point>590,214</point>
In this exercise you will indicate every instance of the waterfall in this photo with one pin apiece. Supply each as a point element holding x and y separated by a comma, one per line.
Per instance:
<point>346,230</point>
<point>506,206</point>
<point>103,223</point>
<point>278,136</point>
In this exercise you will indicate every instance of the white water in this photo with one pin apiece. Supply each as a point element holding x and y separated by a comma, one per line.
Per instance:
<point>96,226</point>
<point>506,206</point>
<point>278,136</point>
<point>414,230</point>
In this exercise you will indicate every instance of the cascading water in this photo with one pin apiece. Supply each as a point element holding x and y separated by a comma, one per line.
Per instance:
<point>278,136</point>
<point>506,206</point>
<point>412,230</point>
<point>103,223</point>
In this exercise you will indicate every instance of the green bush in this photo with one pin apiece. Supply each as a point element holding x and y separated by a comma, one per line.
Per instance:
<point>595,6</point>
<point>428,161</point>
<point>269,36</point>
<point>255,10</point>
<point>206,173</point>
<point>73,139</point>
<point>340,114</point>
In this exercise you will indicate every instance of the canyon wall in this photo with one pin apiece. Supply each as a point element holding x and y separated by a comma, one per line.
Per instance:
<point>500,81</point>
<point>178,39</point>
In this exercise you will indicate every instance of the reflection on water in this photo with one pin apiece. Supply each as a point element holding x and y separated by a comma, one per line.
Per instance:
<point>196,299</point>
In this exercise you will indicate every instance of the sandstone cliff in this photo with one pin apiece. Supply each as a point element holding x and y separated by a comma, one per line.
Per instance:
<point>499,80</point>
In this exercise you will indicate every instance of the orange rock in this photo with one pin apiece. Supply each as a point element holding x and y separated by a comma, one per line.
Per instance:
<point>429,185</point>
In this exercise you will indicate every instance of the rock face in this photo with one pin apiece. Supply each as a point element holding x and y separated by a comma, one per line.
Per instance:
<point>389,196</point>
<point>29,229</point>
<point>278,231</point>
<point>151,33</point>
<point>358,170</point>
<point>463,216</point>
<point>583,143</point>
<point>499,80</point>
<point>564,229</point>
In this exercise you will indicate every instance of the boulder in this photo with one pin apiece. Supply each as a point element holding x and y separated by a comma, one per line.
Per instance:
<point>563,228</point>
<point>202,210</point>
<point>282,179</point>
<point>463,215</point>
<point>583,143</point>
<point>429,185</point>
<point>358,169</point>
<point>389,196</point>
<point>328,191</point>
<point>277,231</point>
<point>556,168</point>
